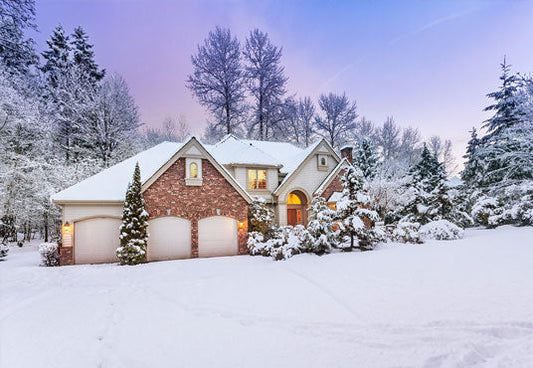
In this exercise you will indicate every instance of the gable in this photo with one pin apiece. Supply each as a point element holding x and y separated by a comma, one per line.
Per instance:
<point>193,145</point>
<point>307,169</point>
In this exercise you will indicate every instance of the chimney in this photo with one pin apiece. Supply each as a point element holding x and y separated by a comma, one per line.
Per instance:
<point>347,152</point>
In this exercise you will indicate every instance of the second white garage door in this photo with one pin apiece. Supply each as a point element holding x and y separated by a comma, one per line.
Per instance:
<point>170,238</point>
<point>96,240</point>
<point>217,236</point>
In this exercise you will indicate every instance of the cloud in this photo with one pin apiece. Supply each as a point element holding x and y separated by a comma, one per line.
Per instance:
<point>434,23</point>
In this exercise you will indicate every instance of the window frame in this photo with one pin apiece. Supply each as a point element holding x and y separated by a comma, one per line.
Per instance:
<point>256,179</point>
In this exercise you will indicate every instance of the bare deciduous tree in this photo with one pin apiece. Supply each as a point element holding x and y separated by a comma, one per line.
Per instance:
<point>266,81</point>
<point>337,119</point>
<point>217,78</point>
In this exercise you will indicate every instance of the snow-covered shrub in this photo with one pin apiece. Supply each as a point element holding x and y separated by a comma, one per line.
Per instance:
<point>487,211</point>
<point>519,201</point>
<point>261,217</point>
<point>49,254</point>
<point>407,232</point>
<point>441,230</point>
<point>283,243</point>
<point>4,249</point>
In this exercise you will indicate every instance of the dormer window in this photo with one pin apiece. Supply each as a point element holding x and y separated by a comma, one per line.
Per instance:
<point>322,162</point>
<point>193,171</point>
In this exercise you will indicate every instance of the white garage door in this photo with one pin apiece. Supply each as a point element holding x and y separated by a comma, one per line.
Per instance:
<point>96,240</point>
<point>170,238</point>
<point>217,236</point>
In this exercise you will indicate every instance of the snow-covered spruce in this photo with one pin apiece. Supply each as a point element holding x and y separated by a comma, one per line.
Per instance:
<point>353,209</point>
<point>323,231</point>
<point>49,254</point>
<point>441,230</point>
<point>133,231</point>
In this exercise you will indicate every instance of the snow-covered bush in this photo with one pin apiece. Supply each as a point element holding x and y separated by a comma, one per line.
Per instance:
<point>4,249</point>
<point>441,230</point>
<point>486,211</point>
<point>407,232</point>
<point>133,231</point>
<point>49,254</point>
<point>261,217</point>
<point>284,242</point>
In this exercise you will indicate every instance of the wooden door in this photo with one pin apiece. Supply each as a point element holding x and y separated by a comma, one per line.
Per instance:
<point>292,217</point>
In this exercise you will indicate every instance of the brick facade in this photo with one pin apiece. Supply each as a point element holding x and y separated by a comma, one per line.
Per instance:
<point>66,256</point>
<point>334,186</point>
<point>194,203</point>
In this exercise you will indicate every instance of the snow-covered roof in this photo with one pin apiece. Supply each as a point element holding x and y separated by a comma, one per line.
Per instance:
<point>335,197</point>
<point>111,184</point>
<point>233,151</point>
<point>286,153</point>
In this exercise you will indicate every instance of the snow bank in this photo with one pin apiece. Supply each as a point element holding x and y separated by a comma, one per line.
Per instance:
<point>465,304</point>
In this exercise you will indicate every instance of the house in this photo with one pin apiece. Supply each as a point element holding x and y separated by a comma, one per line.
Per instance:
<point>197,196</point>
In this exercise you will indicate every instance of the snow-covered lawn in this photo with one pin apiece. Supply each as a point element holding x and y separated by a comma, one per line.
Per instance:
<point>466,303</point>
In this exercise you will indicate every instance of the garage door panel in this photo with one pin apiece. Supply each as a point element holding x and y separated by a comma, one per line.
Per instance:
<point>169,238</point>
<point>217,236</point>
<point>96,240</point>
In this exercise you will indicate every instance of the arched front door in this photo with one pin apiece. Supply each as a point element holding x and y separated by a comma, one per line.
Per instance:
<point>296,208</point>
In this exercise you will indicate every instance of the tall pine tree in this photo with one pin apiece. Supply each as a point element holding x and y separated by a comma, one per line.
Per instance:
<point>83,57</point>
<point>366,159</point>
<point>134,228</point>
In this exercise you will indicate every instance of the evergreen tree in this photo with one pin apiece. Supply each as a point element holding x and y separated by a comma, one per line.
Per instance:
<point>423,180</point>
<point>133,231</point>
<point>366,159</point>
<point>354,210</point>
<point>506,152</point>
<point>261,217</point>
<point>57,57</point>
<point>83,57</point>
<point>506,105</point>
<point>322,235</point>
<point>472,168</point>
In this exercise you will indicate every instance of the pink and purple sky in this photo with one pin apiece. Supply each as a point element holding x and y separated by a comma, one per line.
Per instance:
<point>427,63</point>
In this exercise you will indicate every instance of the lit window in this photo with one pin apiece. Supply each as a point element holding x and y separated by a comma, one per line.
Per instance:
<point>333,206</point>
<point>293,199</point>
<point>193,170</point>
<point>256,179</point>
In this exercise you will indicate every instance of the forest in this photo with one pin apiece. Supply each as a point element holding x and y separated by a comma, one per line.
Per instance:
<point>64,118</point>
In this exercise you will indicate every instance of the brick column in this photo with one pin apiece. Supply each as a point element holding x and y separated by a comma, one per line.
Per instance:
<point>194,237</point>
<point>66,256</point>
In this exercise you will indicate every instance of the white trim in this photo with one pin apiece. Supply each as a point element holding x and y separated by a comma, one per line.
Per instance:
<point>343,163</point>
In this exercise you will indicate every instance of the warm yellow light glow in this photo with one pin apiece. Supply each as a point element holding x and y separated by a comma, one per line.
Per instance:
<point>293,199</point>
<point>66,226</point>
<point>193,170</point>
<point>256,179</point>
<point>241,224</point>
